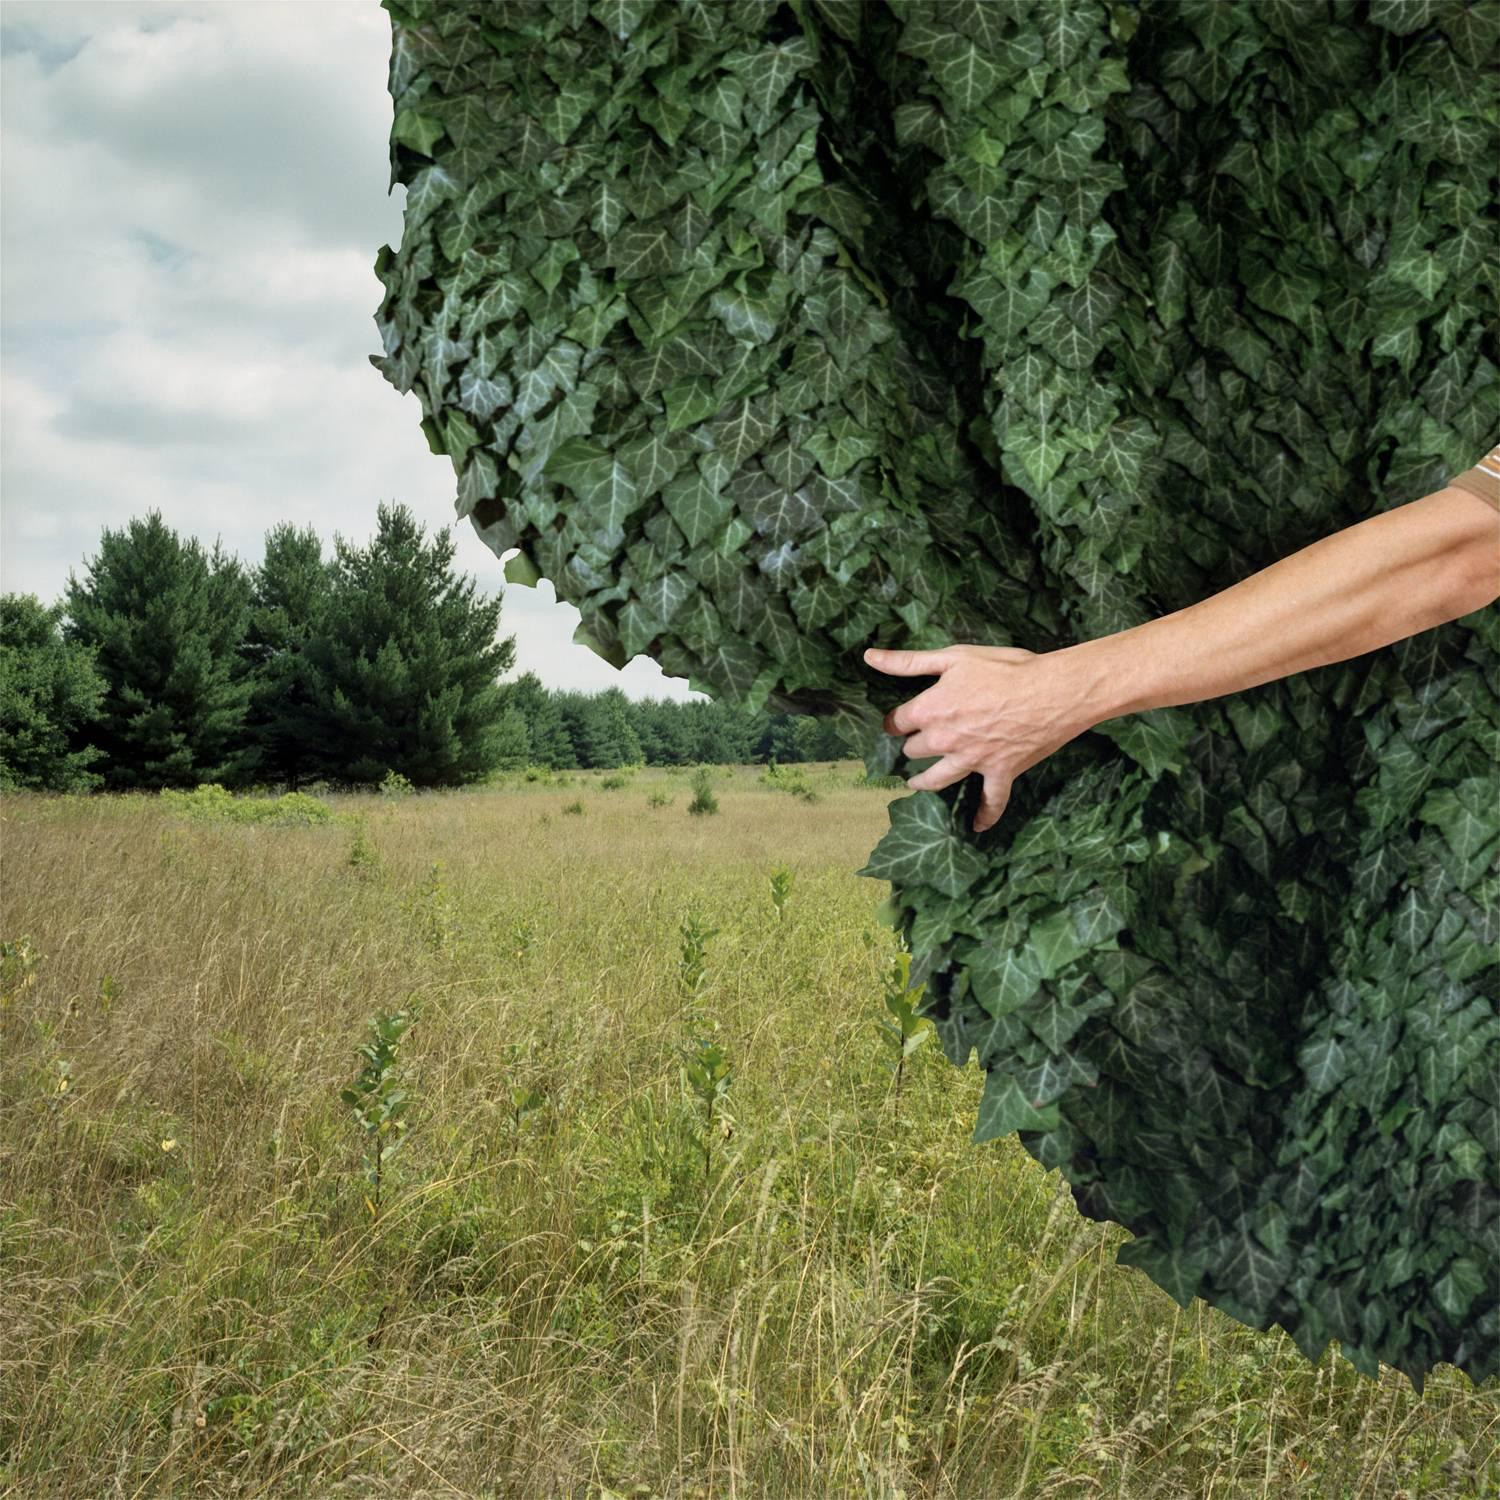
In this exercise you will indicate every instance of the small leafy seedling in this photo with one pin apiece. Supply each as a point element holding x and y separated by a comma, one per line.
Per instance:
<point>706,1071</point>
<point>18,964</point>
<point>794,781</point>
<point>524,1101</point>
<point>377,1099</point>
<point>521,937</point>
<point>781,888</point>
<point>433,910</point>
<point>907,1032</point>
<point>362,853</point>
<point>692,971</point>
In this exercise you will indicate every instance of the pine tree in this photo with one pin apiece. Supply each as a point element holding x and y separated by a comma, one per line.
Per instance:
<point>549,744</point>
<point>647,724</point>
<point>782,740</point>
<point>165,620</point>
<point>512,743</point>
<point>50,693</point>
<point>720,734</point>
<point>405,663</point>
<point>291,591</point>
<point>675,732</point>
<point>609,738</point>
<point>818,739</point>
<point>573,713</point>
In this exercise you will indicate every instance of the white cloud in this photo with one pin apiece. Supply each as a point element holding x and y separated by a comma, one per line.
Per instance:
<point>193,198</point>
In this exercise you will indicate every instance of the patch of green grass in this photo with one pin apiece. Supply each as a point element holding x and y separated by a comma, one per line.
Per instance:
<point>211,803</point>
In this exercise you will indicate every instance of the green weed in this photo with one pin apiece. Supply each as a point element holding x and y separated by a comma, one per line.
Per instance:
<point>908,1032</point>
<point>781,889</point>
<point>212,803</point>
<point>704,800</point>
<point>692,965</point>
<point>433,911</point>
<point>378,1100</point>
<point>18,966</point>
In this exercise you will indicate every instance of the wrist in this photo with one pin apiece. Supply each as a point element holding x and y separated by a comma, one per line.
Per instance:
<point>1103,683</point>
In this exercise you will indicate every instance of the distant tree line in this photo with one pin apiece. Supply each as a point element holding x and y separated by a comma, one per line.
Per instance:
<point>168,666</point>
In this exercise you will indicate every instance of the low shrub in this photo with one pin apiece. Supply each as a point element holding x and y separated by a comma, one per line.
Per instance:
<point>212,803</point>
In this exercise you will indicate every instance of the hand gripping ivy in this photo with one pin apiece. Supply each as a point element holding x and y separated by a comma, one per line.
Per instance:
<point>995,710</point>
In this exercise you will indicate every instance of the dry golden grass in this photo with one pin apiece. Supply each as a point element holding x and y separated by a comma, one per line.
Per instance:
<point>851,1304</point>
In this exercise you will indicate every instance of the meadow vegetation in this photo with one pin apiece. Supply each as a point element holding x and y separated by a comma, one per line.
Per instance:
<point>460,1145</point>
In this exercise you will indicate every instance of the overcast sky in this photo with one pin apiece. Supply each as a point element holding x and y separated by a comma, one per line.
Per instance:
<point>191,199</point>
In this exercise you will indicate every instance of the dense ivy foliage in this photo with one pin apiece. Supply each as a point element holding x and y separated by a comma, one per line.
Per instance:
<point>769,331</point>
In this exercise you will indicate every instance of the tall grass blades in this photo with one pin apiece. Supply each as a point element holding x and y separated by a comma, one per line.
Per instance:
<point>655,1222</point>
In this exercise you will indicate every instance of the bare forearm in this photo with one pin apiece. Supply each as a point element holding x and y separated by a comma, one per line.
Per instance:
<point>1390,576</point>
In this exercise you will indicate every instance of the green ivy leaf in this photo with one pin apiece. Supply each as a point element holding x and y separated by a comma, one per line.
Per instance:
<point>1423,270</point>
<point>1037,454</point>
<point>921,847</point>
<point>965,72</point>
<point>1004,1107</point>
<point>419,131</point>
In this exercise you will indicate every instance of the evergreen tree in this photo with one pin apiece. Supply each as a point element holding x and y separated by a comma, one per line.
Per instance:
<point>165,620</point>
<point>721,733</point>
<point>546,733</point>
<point>512,740</point>
<point>782,740</point>
<point>663,725</point>
<point>49,693</point>
<point>290,592</point>
<point>573,711</point>
<point>750,733</point>
<point>817,739</point>
<point>676,728</point>
<point>645,719</point>
<point>405,662</point>
<point>609,737</point>
<point>708,737</point>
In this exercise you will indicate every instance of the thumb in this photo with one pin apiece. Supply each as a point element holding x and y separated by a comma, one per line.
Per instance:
<point>908,663</point>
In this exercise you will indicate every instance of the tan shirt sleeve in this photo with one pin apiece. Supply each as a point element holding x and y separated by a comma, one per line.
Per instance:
<point>1483,479</point>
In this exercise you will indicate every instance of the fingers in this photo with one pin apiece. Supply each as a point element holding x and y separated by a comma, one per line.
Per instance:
<point>992,802</point>
<point>911,664</point>
<point>902,719</point>
<point>942,773</point>
<point>908,663</point>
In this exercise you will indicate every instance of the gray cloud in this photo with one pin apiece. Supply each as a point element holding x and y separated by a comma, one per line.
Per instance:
<point>125,420</point>
<point>192,202</point>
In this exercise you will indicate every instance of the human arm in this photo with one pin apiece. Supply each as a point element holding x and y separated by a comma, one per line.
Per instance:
<point>998,710</point>
<point>1390,576</point>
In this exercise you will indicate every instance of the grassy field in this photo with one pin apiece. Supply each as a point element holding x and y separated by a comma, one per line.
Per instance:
<point>562,1292</point>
